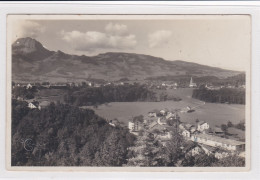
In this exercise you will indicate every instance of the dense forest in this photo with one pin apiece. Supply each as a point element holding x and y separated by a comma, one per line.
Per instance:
<point>83,96</point>
<point>64,135</point>
<point>224,95</point>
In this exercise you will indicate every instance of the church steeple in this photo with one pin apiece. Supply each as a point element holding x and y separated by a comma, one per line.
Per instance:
<point>191,82</point>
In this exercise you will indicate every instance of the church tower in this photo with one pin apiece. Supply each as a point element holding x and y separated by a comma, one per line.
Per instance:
<point>192,84</point>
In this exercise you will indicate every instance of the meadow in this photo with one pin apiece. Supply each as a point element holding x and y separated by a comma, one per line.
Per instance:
<point>51,95</point>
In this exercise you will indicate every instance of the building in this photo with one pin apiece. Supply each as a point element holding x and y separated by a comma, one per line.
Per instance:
<point>186,133</point>
<point>162,121</point>
<point>135,125</point>
<point>192,84</point>
<point>152,114</point>
<point>217,152</point>
<point>113,122</point>
<point>215,141</point>
<point>29,86</point>
<point>160,132</point>
<point>163,112</point>
<point>202,125</point>
<point>34,105</point>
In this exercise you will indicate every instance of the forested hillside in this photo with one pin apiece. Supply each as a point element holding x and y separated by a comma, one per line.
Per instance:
<point>63,135</point>
<point>224,95</point>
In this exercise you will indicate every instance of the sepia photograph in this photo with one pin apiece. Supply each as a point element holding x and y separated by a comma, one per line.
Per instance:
<point>129,91</point>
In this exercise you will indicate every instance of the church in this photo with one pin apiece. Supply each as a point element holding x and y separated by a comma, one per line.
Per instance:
<point>192,84</point>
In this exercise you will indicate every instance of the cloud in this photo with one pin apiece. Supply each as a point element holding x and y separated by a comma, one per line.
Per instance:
<point>115,38</point>
<point>27,29</point>
<point>116,29</point>
<point>159,38</point>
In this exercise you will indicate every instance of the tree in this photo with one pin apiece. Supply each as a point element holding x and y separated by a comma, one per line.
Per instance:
<point>147,151</point>
<point>224,128</point>
<point>230,124</point>
<point>173,151</point>
<point>204,160</point>
<point>231,161</point>
<point>197,120</point>
<point>72,137</point>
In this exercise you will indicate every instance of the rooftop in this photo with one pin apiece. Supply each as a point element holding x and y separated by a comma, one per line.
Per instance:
<point>201,122</point>
<point>219,139</point>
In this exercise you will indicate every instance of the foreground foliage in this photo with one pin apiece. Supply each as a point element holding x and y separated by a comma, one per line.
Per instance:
<point>63,135</point>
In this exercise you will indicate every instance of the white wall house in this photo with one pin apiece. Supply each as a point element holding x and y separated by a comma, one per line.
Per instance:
<point>131,125</point>
<point>216,141</point>
<point>33,105</point>
<point>163,112</point>
<point>29,86</point>
<point>162,121</point>
<point>135,126</point>
<point>186,133</point>
<point>202,126</point>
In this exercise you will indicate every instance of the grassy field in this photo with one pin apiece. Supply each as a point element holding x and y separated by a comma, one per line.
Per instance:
<point>51,95</point>
<point>214,114</point>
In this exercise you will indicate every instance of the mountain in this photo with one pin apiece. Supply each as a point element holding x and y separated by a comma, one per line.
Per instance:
<point>31,61</point>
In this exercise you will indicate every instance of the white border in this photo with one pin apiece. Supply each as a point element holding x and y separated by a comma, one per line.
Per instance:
<point>141,8</point>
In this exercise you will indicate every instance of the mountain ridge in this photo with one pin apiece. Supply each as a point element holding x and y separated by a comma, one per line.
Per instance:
<point>31,61</point>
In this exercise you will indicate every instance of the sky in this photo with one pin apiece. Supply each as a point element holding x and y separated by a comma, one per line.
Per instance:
<point>215,40</point>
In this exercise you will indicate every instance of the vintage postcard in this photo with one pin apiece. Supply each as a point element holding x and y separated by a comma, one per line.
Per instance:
<point>128,92</point>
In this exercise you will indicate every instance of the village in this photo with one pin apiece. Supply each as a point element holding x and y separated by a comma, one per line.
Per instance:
<point>153,85</point>
<point>199,137</point>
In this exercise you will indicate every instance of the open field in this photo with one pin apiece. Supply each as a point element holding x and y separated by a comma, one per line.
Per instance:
<point>51,95</point>
<point>213,113</point>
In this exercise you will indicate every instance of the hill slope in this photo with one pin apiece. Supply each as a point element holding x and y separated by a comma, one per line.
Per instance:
<point>32,62</point>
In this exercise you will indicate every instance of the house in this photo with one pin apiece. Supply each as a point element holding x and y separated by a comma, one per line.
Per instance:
<point>212,87</point>
<point>29,86</point>
<point>160,132</point>
<point>217,152</point>
<point>190,128</point>
<point>170,115</point>
<point>34,105</point>
<point>196,150</point>
<point>19,98</point>
<point>221,154</point>
<point>135,125</point>
<point>192,148</point>
<point>186,133</point>
<point>162,121</point>
<point>215,141</point>
<point>152,114</point>
<point>202,125</point>
<point>90,84</point>
<point>163,112</point>
<point>113,122</point>
<point>182,126</point>
<point>192,84</point>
